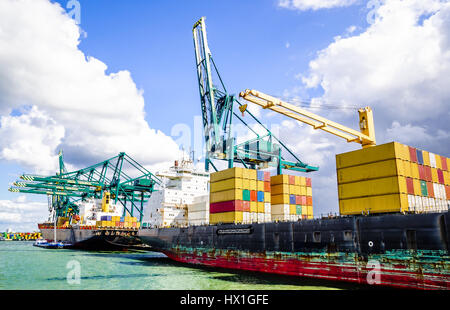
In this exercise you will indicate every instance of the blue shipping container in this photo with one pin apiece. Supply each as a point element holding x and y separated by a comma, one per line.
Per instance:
<point>292,199</point>
<point>419,157</point>
<point>260,175</point>
<point>260,196</point>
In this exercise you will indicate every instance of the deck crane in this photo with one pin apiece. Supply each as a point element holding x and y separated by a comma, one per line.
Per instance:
<point>218,115</point>
<point>365,137</point>
<point>128,183</point>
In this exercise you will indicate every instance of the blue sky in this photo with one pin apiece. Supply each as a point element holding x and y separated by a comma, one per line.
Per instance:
<point>255,44</point>
<point>153,40</point>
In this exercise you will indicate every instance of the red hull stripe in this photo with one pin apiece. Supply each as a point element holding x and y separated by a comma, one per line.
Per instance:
<point>398,277</point>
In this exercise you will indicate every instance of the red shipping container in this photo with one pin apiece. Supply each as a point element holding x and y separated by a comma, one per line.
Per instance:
<point>267,186</point>
<point>444,163</point>
<point>440,176</point>
<point>253,196</point>
<point>266,176</point>
<point>412,154</point>
<point>246,206</point>
<point>298,200</point>
<point>428,176</point>
<point>308,182</point>
<point>303,200</point>
<point>410,186</point>
<point>430,189</point>
<point>292,179</point>
<point>226,206</point>
<point>422,175</point>
<point>309,201</point>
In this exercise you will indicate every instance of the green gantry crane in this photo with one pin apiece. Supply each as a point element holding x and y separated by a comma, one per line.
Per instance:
<point>218,112</point>
<point>128,182</point>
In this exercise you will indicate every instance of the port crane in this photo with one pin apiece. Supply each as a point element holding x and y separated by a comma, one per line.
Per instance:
<point>128,183</point>
<point>219,115</point>
<point>365,137</point>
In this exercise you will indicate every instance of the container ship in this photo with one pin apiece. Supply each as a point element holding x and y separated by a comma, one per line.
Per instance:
<point>393,228</point>
<point>98,226</point>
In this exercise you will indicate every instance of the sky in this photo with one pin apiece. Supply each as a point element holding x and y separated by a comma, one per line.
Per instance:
<point>95,78</point>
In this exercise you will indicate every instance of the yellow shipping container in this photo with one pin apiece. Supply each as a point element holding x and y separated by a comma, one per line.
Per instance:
<point>279,209</point>
<point>253,206</point>
<point>426,158</point>
<point>279,179</point>
<point>382,186</point>
<point>245,183</point>
<point>309,191</point>
<point>280,199</point>
<point>226,217</point>
<point>267,197</point>
<point>374,204</point>
<point>303,190</point>
<point>292,189</point>
<point>414,170</point>
<point>260,207</point>
<point>234,194</point>
<point>279,189</point>
<point>227,184</point>
<point>98,224</point>
<point>246,174</point>
<point>302,181</point>
<point>438,161</point>
<point>292,209</point>
<point>417,190</point>
<point>446,179</point>
<point>372,154</point>
<point>253,185</point>
<point>260,186</point>
<point>434,175</point>
<point>381,169</point>
<point>309,212</point>
<point>252,174</point>
<point>235,172</point>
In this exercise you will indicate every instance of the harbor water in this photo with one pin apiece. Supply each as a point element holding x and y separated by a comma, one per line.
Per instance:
<point>25,267</point>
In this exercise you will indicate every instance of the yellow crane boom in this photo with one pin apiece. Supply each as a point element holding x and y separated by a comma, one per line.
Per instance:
<point>365,137</point>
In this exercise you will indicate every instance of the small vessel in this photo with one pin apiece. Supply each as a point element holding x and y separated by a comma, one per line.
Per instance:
<point>52,245</point>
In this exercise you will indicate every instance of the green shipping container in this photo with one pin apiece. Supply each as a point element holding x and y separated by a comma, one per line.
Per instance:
<point>246,195</point>
<point>423,188</point>
<point>299,210</point>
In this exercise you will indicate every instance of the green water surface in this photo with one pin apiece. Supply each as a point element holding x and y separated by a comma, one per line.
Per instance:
<point>23,266</point>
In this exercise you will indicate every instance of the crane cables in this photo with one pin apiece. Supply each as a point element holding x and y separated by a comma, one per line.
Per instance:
<point>310,105</point>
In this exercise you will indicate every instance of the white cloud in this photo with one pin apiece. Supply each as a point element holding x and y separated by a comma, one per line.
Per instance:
<point>400,66</point>
<point>75,104</point>
<point>22,216</point>
<point>304,5</point>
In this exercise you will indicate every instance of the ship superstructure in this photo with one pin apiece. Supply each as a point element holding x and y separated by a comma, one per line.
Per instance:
<point>182,199</point>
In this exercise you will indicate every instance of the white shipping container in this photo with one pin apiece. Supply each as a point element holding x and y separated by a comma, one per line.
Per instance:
<point>444,193</point>
<point>280,217</point>
<point>432,160</point>
<point>267,208</point>
<point>267,218</point>
<point>436,190</point>
<point>411,203</point>
<point>246,217</point>
<point>418,203</point>
<point>254,217</point>
<point>260,217</point>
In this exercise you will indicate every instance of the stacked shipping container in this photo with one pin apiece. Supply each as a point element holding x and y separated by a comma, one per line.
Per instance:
<point>392,178</point>
<point>291,198</point>
<point>239,195</point>
<point>118,222</point>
